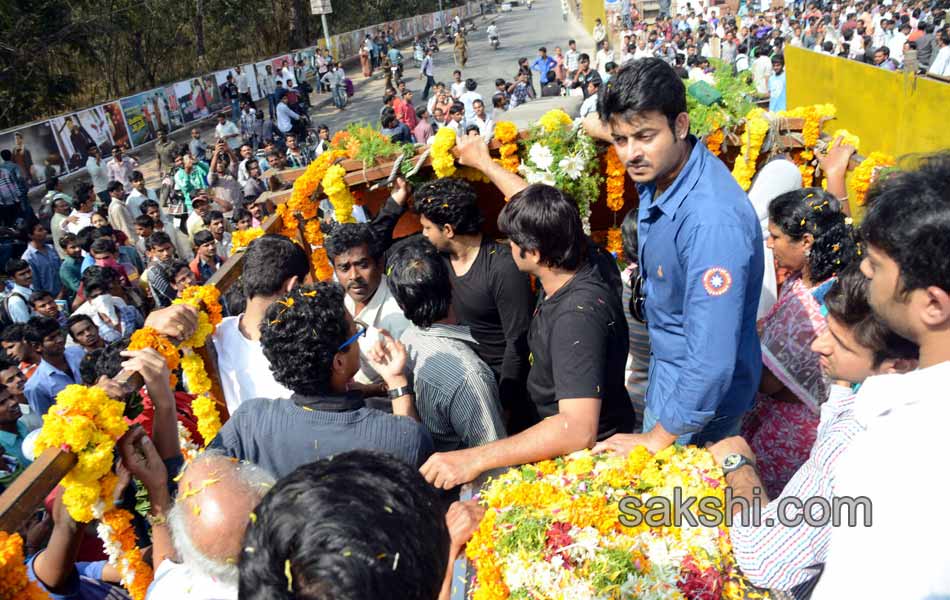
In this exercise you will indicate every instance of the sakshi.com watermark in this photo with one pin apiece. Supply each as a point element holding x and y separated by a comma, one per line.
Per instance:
<point>712,511</point>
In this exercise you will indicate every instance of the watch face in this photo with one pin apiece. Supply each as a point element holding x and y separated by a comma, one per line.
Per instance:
<point>731,461</point>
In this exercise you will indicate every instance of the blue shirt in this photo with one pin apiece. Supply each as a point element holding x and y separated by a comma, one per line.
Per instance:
<point>47,381</point>
<point>543,65</point>
<point>84,584</point>
<point>45,266</point>
<point>777,92</point>
<point>701,256</point>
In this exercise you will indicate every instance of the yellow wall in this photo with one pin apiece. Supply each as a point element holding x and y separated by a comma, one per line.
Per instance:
<point>889,111</point>
<point>591,10</point>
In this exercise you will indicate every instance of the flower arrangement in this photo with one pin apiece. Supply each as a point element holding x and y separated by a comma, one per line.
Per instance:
<point>206,299</point>
<point>615,241</point>
<point>86,422</point>
<point>367,144</point>
<point>615,179</point>
<point>563,157</point>
<point>338,192</point>
<point>714,141</point>
<point>553,529</point>
<point>756,128</point>
<point>14,583</point>
<point>118,536</point>
<point>847,138</point>
<point>147,337</point>
<point>864,175</point>
<point>506,133</point>
<point>814,115</point>
<point>240,240</point>
<point>737,91</point>
<point>443,163</point>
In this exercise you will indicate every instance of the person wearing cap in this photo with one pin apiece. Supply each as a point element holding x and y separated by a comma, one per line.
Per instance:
<point>201,206</point>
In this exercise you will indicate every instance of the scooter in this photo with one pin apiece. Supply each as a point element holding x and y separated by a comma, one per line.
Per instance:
<point>494,42</point>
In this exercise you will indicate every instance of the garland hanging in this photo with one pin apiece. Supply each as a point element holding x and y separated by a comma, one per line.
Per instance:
<point>615,242</point>
<point>334,186</point>
<point>443,163</point>
<point>756,128</point>
<point>240,240</point>
<point>14,582</point>
<point>506,133</point>
<point>118,536</point>
<point>864,175</point>
<point>615,179</point>
<point>714,141</point>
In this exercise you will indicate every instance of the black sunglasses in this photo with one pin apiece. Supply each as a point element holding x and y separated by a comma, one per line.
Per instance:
<point>638,298</point>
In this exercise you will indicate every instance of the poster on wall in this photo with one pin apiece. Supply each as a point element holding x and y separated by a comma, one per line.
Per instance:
<point>282,67</point>
<point>145,114</point>
<point>249,72</point>
<point>118,129</point>
<point>213,93</point>
<point>74,133</point>
<point>35,152</point>
<point>265,70</point>
<point>172,107</point>
<point>193,101</point>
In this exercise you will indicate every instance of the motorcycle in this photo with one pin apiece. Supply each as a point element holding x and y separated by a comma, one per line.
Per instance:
<point>494,42</point>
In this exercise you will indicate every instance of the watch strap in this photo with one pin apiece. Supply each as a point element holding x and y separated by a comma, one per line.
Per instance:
<point>399,391</point>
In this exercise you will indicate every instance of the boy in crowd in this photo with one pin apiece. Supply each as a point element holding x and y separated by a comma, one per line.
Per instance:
<point>206,260</point>
<point>17,300</point>
<point>222,239</point>
<point>84,332</point>
<point>179,276</point>
<point>14,341</point>
<point>70,271</point>
<point>44,305</point>
<point>160,253</point>
<point>58,368</point>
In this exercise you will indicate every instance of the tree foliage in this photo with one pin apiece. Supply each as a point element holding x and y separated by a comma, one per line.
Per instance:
<point>61,55</point>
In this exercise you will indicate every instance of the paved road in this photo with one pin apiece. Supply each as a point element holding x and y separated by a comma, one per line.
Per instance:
<point>521,32</point>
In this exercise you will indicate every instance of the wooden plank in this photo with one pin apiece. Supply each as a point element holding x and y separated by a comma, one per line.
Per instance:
<point>27,493</point>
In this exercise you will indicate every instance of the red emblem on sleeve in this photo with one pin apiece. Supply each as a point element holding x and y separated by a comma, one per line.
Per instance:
<point>717,281</point>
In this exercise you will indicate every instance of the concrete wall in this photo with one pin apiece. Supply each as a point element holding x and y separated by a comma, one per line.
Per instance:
<point>891,112</point>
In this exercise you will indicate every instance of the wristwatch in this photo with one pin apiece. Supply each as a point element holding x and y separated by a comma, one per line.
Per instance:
<point>399,391</point>
<point>734,462</point>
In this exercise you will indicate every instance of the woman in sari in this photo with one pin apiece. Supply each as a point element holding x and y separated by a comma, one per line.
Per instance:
<point>559,68</point>
<point>461,50</point>
<point>365,63</point>
<point>810,237</point>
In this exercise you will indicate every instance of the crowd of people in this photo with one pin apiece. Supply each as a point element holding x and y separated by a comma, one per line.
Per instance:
<point>806,353</point>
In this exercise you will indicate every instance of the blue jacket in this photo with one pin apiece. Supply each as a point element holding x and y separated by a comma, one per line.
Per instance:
<point>701,255</point>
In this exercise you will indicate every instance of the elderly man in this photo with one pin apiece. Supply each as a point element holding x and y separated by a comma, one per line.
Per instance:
<point>215,497</point>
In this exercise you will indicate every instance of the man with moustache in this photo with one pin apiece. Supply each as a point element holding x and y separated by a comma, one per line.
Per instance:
<point>700,258</point>
<point>357,256</point>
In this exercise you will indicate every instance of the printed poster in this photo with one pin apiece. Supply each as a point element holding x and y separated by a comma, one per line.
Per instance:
<point>35,152</point>
<point>74,133</point>
<point>117,126</point>
<point>143,116</point>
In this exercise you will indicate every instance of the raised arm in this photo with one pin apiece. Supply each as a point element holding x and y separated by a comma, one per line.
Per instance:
<point>473,152</point>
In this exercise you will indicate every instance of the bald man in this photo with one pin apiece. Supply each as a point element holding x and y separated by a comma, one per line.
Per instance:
<point>216,496</point>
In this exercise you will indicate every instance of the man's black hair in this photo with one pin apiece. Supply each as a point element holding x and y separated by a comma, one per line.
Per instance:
<point>76,319</point>
<point>103,244</point>
<point>144,221</point>
<point>203,237</point>
<point>885,51</point>
<point>147,204</point>
<point>158,238</point>
<point>240,213</point>
<point>847,302</point>
<point>15,265</point>
<point>359,525</point>
<point>640,86</point>
<point>543,218</point>
<point>308,324</point>
<point>66,239</point>
<point>51,183</point>
<point>816,212</point>
<point>173,268</point>
<point>86,236</point>
<point>39,295</point>
<point>13,333</point>
<point>419,281</point>
<point>629,235</point>
<point>88,371</point>
<point>452,202</point>
<point>137,176</point>
<point>269,261</point>
<point>471,84</point>
<point>37,328</point>
<point>109,360</point>
<point>500,82</point>
<point>82,194</point>
<point>908,219</point>
<point>347,236</point>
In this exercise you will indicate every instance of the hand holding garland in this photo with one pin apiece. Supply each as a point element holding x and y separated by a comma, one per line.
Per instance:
<point>55,565</point>
<point>462,519</point>
<point>473,152</point>
<point>834,162</point>
<point>141,458</point>
<point>154,371</point>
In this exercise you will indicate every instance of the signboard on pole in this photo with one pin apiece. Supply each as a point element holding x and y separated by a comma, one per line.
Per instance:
<point>320,7</point>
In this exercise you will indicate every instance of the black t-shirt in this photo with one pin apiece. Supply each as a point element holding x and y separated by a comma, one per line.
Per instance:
<point>495,300</point>
<point>579,344</point>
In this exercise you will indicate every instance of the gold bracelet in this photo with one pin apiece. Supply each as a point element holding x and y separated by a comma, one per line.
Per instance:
<point>156,520</point>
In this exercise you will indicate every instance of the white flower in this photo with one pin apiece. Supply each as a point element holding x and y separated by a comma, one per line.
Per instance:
<point>533,176</point>
<point>541,156</point>
<point>572,166</point>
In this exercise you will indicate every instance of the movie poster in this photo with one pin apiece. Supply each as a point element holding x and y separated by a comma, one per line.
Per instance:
<point>141,117</point>
<point>193,101</point>
<point>213,92</point>
<point>255,90</point>
<point>173,109</point>
<point>117,127</point>
<point>283,62</point>
<point>35,152</point>
<point>74,133</point>
<point>262,73</point>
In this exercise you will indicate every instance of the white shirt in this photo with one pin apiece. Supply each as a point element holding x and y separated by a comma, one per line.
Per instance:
<point>135,200</point>
<point>571,58</point>
<point>287,73</point>
<point>601,59</point>
<point>99,174</point>
<point>458,88</point>
<point>223,130</point>
<point>589,106</point>
<point>468,98</point>
<point>244,370</point>
<point>285,117</point>
<point>642,53</point>
<point>941,63</point>
<point>486,127</point>
<point>84,220</point>
<point>761,71</point>
<point>898,463</point>
<point>896,46</point>
<point>382,312</point>
<point>242,83</point>
<point>174,581</point>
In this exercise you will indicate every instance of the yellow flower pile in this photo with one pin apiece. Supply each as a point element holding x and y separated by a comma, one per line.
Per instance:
<point>814,115</point>
<point>863,176</point>
<point>615,179</point>
<point>14,583</point>
<point>756,128</point>
<point>554,120</point>
<point>87,422</point>
<point>443,163</point>
<point>847,138</point>
<point>242,239</point>
<point>553,530</point>
<point>506,133</point>
<point>338,192</point>
<point>206,299</point>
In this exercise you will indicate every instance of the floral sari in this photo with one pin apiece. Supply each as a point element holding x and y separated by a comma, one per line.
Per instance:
<point>781,433</point>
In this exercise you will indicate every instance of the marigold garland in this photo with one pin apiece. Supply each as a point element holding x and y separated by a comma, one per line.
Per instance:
<point>242,239</point>
<point>86,422</point>
<point>506,133</point>
<point>443,163</point>
<point>555,119</point>
<point>338,192</point>
<point>615,179</point>
<point>615,241</point>
<point>756,128</point>
<point>714,141</point>
<point>147,337</point>
<point>14,582</point>
<point>116,531</point>
<point>863,176</point>
<point>847,138</point>
<point>814,116</point>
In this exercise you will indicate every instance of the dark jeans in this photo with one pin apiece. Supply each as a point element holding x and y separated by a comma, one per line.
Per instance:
<point>272,106</point>
<point>430,82</point>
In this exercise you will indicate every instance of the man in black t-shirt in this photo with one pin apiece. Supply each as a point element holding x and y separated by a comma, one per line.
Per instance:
<point>578,343</point>
<point>489,294</point>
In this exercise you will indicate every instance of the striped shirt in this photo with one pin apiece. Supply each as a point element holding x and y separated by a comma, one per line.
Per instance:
<point>791,558</point>
<point>456,393</point>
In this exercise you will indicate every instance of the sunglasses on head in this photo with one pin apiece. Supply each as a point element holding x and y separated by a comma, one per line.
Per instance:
<point>360,332</point>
